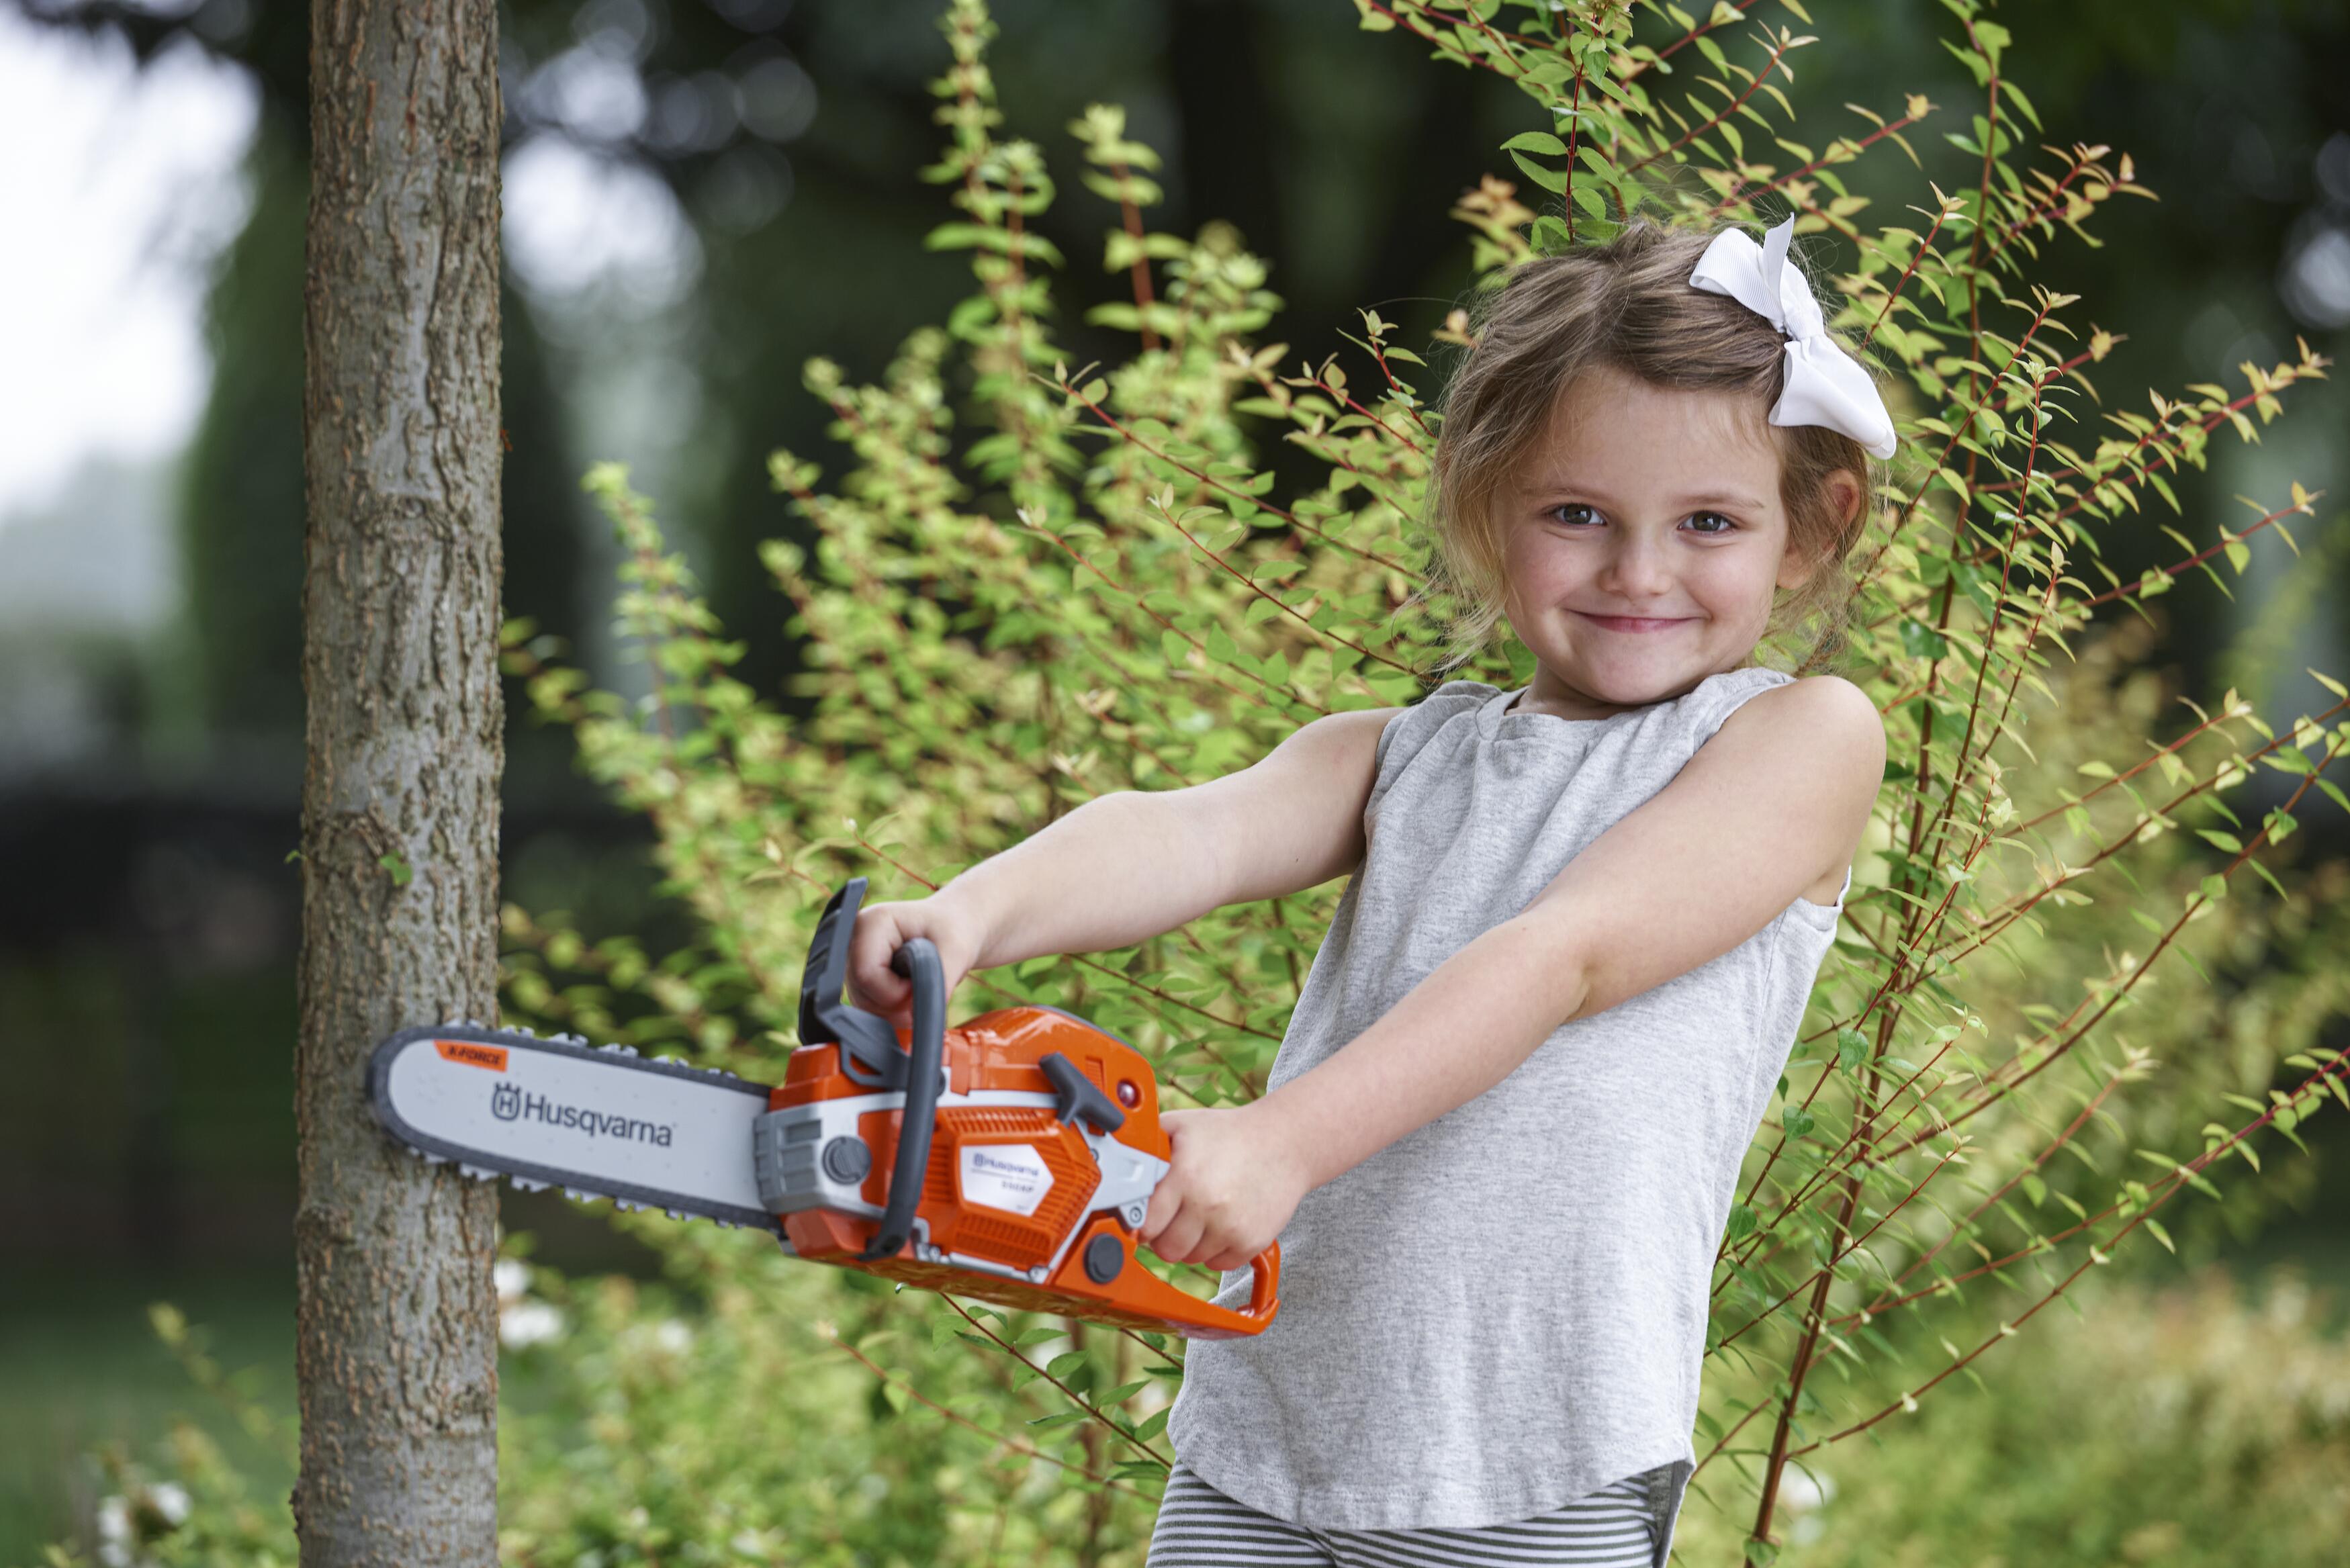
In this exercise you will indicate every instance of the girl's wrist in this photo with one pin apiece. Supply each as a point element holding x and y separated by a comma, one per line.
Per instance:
<point>968,907</point>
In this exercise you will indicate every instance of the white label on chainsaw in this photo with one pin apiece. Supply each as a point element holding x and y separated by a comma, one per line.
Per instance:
<point>1007,1175</point>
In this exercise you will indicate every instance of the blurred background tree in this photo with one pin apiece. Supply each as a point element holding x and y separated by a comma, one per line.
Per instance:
<point>701,196</point>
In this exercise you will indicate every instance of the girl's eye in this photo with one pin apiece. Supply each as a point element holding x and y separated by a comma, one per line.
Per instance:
<point>1568,507</point>
<point>1727,525</point>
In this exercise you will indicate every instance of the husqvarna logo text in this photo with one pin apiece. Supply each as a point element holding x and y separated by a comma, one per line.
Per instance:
<point>1009,1177</point>
<point>508,1104</point>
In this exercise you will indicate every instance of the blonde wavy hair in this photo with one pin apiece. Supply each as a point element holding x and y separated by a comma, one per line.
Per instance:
<point>1626,303</point>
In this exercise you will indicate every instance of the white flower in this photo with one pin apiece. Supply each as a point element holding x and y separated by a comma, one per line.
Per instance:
<point>114,1533</point>
<point>512,1276</point>
<point>529,1322</point>
<point>672,1334</point>
<point>169,1500</point>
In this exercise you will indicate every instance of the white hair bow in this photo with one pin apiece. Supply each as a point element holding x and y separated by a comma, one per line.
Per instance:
<point>1825,385</point>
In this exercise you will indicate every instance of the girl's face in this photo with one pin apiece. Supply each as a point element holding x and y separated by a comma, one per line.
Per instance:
<point>1641,544</point>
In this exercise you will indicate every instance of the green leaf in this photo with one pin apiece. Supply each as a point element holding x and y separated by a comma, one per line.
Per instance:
<point>2021,102</point>
<point>398,867</point>
<point>1852,1050</point>
<point>1920,640</point>
<point>958,236</point>
<point>1553,180</point>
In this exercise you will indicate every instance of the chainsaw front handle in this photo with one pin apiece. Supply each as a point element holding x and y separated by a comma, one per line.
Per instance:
<point>918,960</point>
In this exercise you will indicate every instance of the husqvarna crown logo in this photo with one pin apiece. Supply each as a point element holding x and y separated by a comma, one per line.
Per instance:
<point>505,1102</point>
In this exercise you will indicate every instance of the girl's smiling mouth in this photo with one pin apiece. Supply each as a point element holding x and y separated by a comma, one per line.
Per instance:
<point>1635,622</point>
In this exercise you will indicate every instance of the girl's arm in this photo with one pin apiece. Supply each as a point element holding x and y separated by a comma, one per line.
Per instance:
<point>1778,797</point>
<point>1125,867</point>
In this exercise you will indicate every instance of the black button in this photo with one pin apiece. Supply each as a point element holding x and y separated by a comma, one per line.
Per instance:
<point>1105,1258</point>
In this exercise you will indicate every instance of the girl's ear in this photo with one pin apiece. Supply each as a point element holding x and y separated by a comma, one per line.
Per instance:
<point>1845,495</point>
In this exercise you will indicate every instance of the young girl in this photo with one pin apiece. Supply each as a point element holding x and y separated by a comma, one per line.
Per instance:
<point>1500,1142</point>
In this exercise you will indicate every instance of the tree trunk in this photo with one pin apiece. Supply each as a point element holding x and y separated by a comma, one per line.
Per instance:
<point>396,1320</point>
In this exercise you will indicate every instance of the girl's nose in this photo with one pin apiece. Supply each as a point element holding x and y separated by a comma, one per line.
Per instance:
<point>1636,568</point>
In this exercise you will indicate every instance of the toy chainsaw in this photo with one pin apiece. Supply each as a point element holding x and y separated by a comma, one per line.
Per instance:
<point>1011,1159</point>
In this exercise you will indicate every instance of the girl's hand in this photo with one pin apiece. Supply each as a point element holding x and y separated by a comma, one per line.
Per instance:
<point>883,929</point>
<point>1231,1189</point>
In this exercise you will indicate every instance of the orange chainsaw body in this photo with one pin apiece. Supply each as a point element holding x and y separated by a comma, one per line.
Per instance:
<point>1073,1244</point>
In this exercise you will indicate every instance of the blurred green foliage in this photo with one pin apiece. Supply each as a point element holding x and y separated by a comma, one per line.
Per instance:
<point>2198,1425</point>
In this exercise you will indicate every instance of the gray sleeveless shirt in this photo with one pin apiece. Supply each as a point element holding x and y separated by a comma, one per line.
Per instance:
<point>1504,1310</point>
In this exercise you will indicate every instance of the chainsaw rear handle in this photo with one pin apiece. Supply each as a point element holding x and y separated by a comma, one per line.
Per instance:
<point>918,960</point>
<point>1265,1284</point>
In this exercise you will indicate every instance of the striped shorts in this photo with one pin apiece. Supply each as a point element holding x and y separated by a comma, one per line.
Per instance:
<point>1198,1527</point>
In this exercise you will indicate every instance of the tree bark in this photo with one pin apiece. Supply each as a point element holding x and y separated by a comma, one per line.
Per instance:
<point>396,1319</point>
